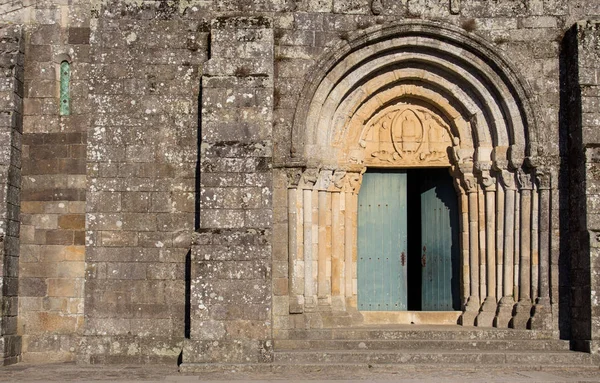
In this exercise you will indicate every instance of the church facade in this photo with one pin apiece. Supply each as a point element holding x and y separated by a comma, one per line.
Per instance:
<point>196,180</point>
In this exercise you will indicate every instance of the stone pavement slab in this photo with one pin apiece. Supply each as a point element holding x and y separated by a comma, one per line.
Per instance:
<point>71,372</point>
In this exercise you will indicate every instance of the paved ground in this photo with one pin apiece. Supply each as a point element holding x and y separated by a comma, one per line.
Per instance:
<point>77,373</point>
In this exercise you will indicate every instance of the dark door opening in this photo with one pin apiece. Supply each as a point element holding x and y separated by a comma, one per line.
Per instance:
<point>433,241</point>
<point>408,241</point>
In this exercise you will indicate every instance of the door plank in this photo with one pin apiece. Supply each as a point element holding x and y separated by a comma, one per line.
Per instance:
<point>439,242</point>
<point>381,240</point>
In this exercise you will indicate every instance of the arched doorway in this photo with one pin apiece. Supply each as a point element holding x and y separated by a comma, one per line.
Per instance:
<point>408,241</point>
<point>413,96</point>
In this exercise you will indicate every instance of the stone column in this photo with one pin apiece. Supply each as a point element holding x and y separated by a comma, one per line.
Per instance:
<point>349,237</point>
<point>488,309</point>
<point>324,252</point>
<point>499,238</point>
<point>542,312</point>
<point>295,243</point>
<point>338,302</point>
<point>463,218</point>
<point>473,303</point>
<point>517,245</point>
<point>352,188</point>
<point>523,308</point>
<point>507,302</point>
<point>535,255</point>
<point>309,178</point>
<point>482,244</point>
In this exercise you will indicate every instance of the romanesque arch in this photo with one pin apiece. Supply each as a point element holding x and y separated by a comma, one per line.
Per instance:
<point>422,94</point>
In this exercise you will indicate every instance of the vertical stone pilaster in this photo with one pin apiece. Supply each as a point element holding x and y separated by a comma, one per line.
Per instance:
<point>11,130</point>
<point>232,317</point>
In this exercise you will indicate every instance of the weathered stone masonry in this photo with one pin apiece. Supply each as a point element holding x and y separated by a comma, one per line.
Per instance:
<point>11,129</point>
<point>200,199</point>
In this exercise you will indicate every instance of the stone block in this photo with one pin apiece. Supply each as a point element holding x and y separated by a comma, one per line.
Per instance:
<point>32,287</point>
<point>227,351</point>
<point>72,222</point>
<point>78,35</point>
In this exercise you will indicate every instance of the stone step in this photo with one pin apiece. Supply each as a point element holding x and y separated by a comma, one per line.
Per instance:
<point>419,333</point>
<point>352,371</point>
<point>422,344</point>
<point>416,357</point>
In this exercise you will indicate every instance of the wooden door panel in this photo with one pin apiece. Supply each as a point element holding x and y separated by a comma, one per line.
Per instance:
<point>381,242</point>
<point>439,242</point>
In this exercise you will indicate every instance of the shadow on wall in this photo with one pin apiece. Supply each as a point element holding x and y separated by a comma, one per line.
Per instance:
<point>188,256</point>
<point>571,195</point>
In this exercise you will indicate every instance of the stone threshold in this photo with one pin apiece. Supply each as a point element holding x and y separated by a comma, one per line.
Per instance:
<point>411,317</point>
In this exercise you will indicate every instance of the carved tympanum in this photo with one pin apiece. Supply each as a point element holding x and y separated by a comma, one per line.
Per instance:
<point>407,136</point>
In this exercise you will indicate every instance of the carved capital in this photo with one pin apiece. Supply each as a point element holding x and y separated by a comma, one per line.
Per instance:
<point>352,182</point>
<point>524,180</point>
<point>324,179</point>
<point>293,176</point>
<point>483,166</point>
<point>507,179</point>
<point>309,178</point>
<point>543,178</point>
<point>377,7</point>
<point>470,183</point>
<point>455,7</point>
<point>338,180</point>
<point>488,181</point>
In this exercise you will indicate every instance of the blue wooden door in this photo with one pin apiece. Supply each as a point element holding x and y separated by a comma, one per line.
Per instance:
<point>382,242</point>
<point>439,242</point>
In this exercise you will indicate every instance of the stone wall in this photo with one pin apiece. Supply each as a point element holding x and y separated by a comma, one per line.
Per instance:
<point>231,260</point>
<point>11,129</point>
<point>142,154</point>
<point>160,144</point>
<point>582,95</point>
<point>53,195</point>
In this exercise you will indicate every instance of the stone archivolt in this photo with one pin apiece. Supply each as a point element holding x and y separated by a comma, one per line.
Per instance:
<point>423,95</point>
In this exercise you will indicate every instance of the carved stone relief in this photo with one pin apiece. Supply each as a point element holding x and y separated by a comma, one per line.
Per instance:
<point>377,7</point>
<point>407,136</point>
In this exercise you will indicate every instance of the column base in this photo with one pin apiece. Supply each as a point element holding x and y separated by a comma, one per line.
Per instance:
<point>522,317</point>
<point>504,313</point>
<point>296,304</point>
<point>11,349</point>
<point>324,303</point>
<point>311,304</point>
<point>338,303</point>
<point>542,315</point>
<point>470,314</point>
<point>486,315</point>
